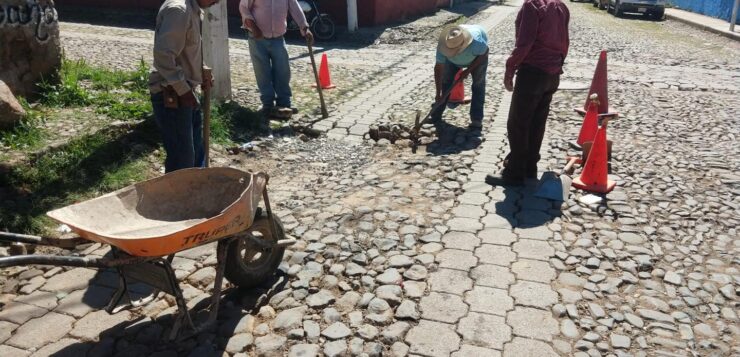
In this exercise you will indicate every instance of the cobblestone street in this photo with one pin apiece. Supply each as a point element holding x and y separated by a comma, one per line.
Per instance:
<point>403,254</point>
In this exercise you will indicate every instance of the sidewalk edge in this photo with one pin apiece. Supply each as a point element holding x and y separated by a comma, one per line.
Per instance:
<point>725,33</point>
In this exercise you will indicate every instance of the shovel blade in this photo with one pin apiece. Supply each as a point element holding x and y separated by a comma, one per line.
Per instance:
<point>553,186</point>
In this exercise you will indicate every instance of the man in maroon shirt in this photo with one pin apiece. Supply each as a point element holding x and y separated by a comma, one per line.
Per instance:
<point>537,59</point>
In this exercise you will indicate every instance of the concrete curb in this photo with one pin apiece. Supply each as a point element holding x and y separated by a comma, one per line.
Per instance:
<point>725,33</point>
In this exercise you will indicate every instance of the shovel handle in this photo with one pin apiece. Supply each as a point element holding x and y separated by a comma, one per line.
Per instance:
<point>206,109</point>
<point>324,112</point>
<point>572,161</point>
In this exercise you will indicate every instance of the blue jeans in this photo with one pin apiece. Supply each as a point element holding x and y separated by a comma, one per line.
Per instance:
<point>182,134</point>
<point>272,71</point>
<point>479,89</point>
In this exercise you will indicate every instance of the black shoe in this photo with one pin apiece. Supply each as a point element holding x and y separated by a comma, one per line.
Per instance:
<point>501,180</point>
<point>294,109</point>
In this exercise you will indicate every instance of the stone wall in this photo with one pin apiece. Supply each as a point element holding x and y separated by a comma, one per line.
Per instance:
<point>29,43</point>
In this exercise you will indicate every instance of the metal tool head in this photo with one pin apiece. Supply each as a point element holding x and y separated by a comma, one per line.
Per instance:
<point>553,186</point>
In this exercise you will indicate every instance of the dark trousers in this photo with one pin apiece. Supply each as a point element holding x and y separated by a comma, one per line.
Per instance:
<point>182,134</point>
<point>530,105</point>
<point>478,89</point>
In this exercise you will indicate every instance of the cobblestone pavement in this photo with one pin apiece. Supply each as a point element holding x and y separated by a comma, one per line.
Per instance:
<point>404,254</point>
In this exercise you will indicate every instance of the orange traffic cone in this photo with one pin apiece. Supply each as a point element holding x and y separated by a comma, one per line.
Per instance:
<point>599,86</point>
<point>595,175</point>
<point>324,76</point>
<point>457,95</point>
<point>590,121</point>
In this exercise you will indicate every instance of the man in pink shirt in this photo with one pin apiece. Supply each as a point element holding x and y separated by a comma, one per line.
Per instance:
<point>266,21</point>
<point>537,59</point>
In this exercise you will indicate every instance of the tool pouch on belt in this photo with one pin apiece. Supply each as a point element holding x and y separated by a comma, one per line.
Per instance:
<point>170,97</point>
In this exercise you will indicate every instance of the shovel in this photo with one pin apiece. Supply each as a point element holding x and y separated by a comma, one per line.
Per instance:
<point>556,186</point>
<point>418,123</point>
<point>324,112</point>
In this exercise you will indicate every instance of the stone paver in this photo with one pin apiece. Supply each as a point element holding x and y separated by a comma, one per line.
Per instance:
<point>497,236</point>
<point>495,254</point>
<point>63,347</point>
<point>75,279</point>
<point>450,281</point>
<point>526,347</point>
<point>533,294</point>
<point>431,338</point>
<point>533,249</point>
<point>532,323</point>
<point>443,307</point>
<point>81,302</point>
<point>10,351</point>
<point>461,240</point>
<point>533,270</point>
<point>456,259</point>
<point>492,276</point>
<point>19,313</point>
<point>468,350</point>
<point>93,324</point>
<point>41,331</point>
<point>489,300</point>
<point>484,330</point>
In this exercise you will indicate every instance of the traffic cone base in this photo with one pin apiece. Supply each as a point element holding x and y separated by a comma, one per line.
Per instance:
<point>324,76</point>
<point>600,188</point>
<point>457,95</point>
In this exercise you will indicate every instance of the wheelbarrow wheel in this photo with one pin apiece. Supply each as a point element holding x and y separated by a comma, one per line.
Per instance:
<point>249,264</point>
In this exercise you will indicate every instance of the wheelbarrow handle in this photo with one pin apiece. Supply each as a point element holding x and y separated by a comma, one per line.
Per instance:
<point>65,243</point>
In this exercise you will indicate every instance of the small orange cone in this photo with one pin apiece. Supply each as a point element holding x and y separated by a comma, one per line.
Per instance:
<point>599,86</point>
<point>324,76</point>
<point>590,121</point>
<point>457,95</point>
<point>595,175</point>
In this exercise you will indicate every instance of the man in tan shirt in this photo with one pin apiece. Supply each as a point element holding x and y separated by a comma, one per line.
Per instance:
<point>178,70</point>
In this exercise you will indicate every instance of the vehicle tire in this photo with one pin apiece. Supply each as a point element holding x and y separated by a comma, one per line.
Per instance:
<point>594,3</point>
<point>658,16</point>
<point>248,265</point>
<point>323,28</point>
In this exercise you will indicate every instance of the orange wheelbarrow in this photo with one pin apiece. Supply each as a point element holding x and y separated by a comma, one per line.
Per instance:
<point>147,223</point>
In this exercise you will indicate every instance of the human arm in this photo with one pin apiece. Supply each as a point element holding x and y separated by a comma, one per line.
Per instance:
<point>438,69</point>
<point>248,22</point>
<point>300,19</point>
<point>473,65</point>
<point>526,34</point>
<point>169,42</point>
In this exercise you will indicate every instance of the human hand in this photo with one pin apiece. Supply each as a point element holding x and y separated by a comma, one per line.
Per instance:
<point>509,82</point>
<point>464,74</point>
<point>207,79</point>
<point>188,100</point>
<point>308,35</point>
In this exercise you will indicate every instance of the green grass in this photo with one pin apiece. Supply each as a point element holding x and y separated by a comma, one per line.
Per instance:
<point>85,167</point>
<point>232,123</point>
<point>27,134</point>
<point>118,94</point>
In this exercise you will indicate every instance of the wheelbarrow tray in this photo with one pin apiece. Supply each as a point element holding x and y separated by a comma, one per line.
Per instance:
<point>170,213</point>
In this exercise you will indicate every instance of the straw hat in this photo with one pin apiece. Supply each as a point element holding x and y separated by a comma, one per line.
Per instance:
<point>453,40</point>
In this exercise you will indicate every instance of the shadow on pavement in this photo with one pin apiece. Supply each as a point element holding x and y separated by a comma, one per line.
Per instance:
<point>453,139</point>
<point>146,336</point>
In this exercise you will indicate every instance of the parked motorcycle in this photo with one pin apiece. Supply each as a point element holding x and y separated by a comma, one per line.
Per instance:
<point>320,24</point>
